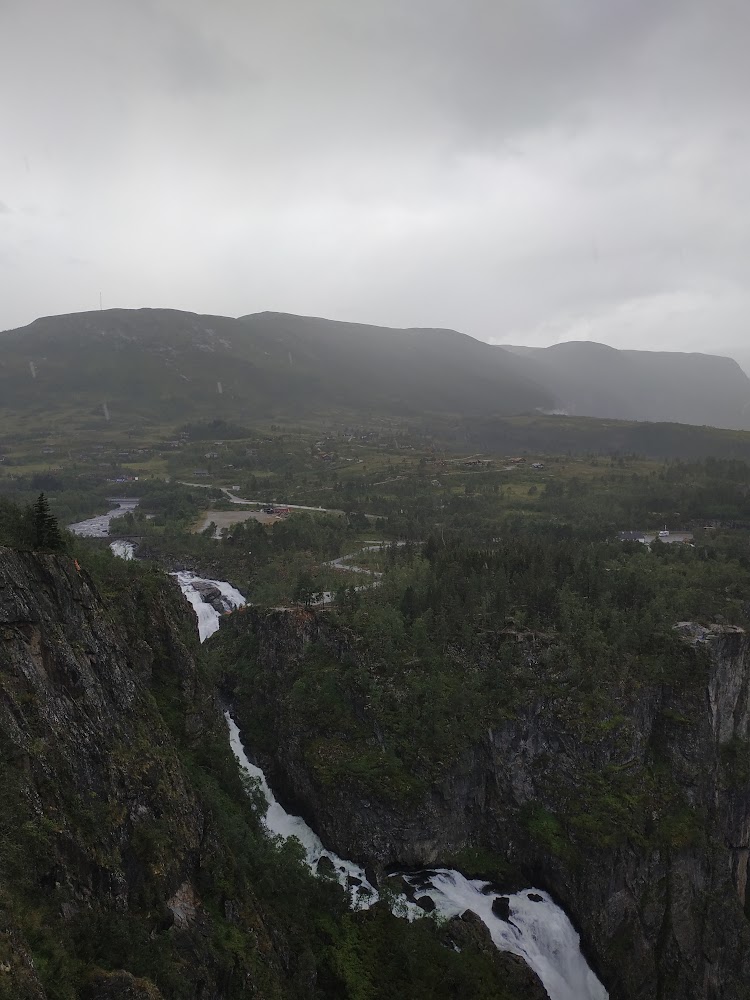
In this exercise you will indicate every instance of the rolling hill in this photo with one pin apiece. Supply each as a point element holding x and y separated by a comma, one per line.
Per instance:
<point>159,365</point>
<point>131,368</point>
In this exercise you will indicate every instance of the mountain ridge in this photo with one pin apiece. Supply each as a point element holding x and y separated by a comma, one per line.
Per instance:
<point>166,365</point>
<point>595,379</point>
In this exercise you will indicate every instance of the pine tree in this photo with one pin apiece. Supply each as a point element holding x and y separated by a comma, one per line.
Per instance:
<point>304,592</point>
<point>45,530</point>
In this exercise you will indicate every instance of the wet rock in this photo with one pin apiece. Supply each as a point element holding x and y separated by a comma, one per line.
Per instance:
<point>425,903</point>
<point>535,897</point>
<point>371,875</point>
<point>501,907</point>
<point>421,880</point>
<point>211,594</point>
<point>326,867</point>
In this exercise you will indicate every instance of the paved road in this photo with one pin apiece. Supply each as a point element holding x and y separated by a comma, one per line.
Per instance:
<point>265,503</point>
<point>262,503</point>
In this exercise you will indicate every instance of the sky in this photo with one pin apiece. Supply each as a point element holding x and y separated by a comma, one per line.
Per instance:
<point>525,171</point>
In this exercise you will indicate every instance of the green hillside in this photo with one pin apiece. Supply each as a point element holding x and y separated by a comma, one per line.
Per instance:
<point>120,374</point>
<point>162,366</point>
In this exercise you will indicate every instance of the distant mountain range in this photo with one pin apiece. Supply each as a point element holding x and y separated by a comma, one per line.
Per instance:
<point>166,366</point>
<point>592,379</point>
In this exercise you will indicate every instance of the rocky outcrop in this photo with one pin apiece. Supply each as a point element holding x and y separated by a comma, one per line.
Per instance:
<point>634,814</point>
<point>120,986</point>
<point>211,594</point>
<point>467,930</point>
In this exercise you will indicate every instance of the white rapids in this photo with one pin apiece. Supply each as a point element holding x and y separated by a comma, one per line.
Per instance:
<point>122,549</point>
<point>280,823</point>
<point>208,617</point>
<point>98,527</point>
<point>537,930</point>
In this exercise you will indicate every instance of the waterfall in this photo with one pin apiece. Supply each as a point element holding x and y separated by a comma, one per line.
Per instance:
<point>123,550</point>
<point>208,616</point>
<point>536,929</point>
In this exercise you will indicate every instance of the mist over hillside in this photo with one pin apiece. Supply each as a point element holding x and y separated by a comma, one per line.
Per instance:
<point>595,380</point>
<point>163,365</point>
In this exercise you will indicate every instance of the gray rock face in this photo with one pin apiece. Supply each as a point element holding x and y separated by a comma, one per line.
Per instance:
<point>661,899</point>
<point>109,826</point>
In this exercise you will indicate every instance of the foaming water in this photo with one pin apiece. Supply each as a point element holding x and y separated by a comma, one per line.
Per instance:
<point>98,527</point>
<point>281,824</point>
<point>536,930</point>
<point>123,550</point>
<point>208,617</point>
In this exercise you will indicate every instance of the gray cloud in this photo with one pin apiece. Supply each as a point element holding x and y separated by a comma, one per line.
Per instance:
<point>522,170</point>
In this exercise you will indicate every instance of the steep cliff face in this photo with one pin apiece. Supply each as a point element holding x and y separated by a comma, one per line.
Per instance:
<point>133,861</point>
<point>104,843</point>
<point>631,805</point>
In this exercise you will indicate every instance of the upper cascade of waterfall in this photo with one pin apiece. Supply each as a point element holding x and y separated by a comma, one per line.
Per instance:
<point>207,615</point>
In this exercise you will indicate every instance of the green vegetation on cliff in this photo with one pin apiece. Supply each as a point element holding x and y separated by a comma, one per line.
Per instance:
<point>132,856</point>
<point>457,638</point>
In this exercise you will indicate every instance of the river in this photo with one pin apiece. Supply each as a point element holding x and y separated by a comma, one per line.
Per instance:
<point>98,527</point>
<point>537,929</point>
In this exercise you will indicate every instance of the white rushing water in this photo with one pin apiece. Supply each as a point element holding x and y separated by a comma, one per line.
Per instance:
<point>208,617</point>
<point>537,930</point>
<point>98,527</point>
<point>123,550</point>
<point>280,823</point>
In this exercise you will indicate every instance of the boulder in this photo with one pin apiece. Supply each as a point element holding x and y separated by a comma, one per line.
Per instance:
<point>425,903</point>
<point>326,867</point>
<point>501,907</point>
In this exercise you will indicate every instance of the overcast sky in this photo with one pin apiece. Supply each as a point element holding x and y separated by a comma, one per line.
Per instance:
<point>526,171</point>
